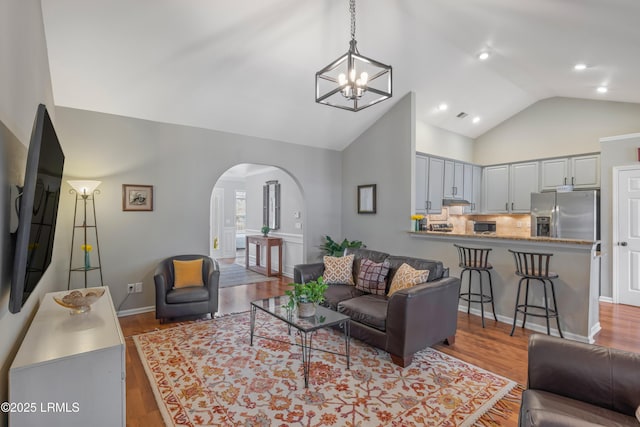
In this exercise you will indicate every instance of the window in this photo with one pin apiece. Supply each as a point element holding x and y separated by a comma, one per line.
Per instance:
<point>241,211</point>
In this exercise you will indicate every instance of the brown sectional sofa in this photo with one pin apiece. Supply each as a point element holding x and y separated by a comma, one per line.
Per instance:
<point>576,384</point>
<point>408,321</point>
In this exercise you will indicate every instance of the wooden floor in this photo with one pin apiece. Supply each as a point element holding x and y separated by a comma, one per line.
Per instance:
<point>490,348</point>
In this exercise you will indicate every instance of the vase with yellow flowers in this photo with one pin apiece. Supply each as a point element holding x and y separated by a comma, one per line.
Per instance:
<point>416,219</point>
<point>87,258</point>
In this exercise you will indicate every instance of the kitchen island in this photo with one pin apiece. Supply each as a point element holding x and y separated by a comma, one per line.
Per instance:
<point>577,289</point>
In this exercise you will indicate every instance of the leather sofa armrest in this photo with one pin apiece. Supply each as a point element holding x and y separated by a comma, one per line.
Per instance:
<point>303,273</point>
<point>422,315</point>
<point>597,375</point>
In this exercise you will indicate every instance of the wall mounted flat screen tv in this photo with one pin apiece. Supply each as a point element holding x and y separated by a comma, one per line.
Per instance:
<point>37,210</point>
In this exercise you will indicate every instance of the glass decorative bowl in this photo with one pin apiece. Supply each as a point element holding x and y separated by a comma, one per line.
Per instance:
<point>79,301</point>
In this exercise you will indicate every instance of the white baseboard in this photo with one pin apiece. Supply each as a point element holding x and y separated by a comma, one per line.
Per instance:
<point>606,299</point>
<point>488,315</point>
<point>139,310</point>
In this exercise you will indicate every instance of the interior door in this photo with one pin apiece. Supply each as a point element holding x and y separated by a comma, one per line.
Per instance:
<point>627,246</point>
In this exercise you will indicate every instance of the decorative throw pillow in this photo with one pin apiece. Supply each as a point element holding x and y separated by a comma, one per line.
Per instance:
<point>187,273</point>
<point>372,277</point>
<point>407,277</point>
<point>338,270</point>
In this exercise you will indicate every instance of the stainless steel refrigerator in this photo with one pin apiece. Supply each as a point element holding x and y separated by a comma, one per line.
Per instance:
<point>570,215</point>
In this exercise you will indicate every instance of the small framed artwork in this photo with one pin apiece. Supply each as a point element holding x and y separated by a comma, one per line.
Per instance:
<point>137,197</point>
<point>367,199</point>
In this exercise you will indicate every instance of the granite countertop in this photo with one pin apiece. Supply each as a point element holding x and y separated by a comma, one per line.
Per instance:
<point>502,237</point>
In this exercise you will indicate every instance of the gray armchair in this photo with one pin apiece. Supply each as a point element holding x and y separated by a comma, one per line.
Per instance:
<point>186,301</point>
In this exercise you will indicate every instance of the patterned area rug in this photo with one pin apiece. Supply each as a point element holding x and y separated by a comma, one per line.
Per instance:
<point>235,275</point>
<point>205,373</point>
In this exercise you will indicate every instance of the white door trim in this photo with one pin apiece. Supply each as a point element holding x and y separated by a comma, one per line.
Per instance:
<point>615,235</point>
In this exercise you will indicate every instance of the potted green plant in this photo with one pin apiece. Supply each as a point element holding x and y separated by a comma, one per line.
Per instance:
<point>306,296</point>
<point>333,248</point>
<point>265,230</point>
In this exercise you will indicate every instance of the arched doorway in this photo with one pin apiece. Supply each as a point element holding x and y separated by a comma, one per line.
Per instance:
<point>237,209</point>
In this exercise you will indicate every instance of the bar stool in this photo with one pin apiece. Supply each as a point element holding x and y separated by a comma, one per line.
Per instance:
<point>476,259</point>
<point>532,265</point>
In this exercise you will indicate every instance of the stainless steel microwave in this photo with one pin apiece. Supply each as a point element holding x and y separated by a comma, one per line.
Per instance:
<point>484,227</point>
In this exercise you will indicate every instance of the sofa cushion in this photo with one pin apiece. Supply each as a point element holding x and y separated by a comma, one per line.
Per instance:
<point>540,408</point>
<point>436,269</point>
<point>187,273</point>
<point>338,270</point>
<point>370,310</point>
<point>372,277</point>
<point>361,253</point>
<point>337,293</point>
<point>407,277</point>
<point>187,294</point>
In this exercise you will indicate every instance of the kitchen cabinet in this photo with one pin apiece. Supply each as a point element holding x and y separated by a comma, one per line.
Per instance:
<point>429,180</point>
<point>453,180</point>
<point>523,180</point>
<point>421,177</point>
<point>435,185</point>
<point>579,171</point>
<point>472,190</point>
<point>508,188</point>
<point>496,189</point>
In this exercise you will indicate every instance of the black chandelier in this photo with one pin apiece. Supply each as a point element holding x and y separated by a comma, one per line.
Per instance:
<point>353,82</point>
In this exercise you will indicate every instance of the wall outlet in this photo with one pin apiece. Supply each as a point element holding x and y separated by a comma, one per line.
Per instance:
<point>131,288</point>
<point>138,287</point>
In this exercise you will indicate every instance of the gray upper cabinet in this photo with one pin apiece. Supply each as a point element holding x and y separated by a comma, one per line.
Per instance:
<point>523,181</point>
<point>435,185</point>
<point>579,171</point>
<point>496,189</point>
<point>472,188</point>
<point>508,188</point>
<point>453,180</point>
<point>422,175</point>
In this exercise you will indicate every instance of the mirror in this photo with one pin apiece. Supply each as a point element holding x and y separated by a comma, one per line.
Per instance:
<point>271,205</point>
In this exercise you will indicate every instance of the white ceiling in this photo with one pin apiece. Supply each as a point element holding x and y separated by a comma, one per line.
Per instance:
<point>248,66</point>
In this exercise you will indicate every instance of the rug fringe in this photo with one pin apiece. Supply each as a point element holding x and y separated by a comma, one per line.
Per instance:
<point>502,410</point>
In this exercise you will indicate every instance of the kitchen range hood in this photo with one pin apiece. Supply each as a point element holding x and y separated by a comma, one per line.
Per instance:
<point>455,202</point>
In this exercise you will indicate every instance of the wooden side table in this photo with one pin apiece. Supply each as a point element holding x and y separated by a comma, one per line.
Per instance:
<point>268,243</point>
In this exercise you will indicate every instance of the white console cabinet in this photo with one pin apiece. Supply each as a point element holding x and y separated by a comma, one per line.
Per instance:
<point>70,369</point>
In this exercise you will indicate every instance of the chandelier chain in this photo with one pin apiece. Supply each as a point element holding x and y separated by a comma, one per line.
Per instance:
<point>352,11</point>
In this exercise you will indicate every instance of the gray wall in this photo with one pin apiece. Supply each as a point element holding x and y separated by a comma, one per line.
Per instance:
<point>24,83</point>
<point>183,164</point>
<point>382,155</point>
<point>620,151</point>
<point>556,127</point>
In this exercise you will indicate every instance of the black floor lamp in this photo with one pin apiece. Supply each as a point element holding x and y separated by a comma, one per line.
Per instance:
<point>85,191</point>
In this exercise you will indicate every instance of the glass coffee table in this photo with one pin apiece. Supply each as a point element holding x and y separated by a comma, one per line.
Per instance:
<point>306,327</point>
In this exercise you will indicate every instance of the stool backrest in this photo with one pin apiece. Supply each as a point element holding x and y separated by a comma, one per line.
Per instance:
<point>531,264</point>
<point>472,257</point>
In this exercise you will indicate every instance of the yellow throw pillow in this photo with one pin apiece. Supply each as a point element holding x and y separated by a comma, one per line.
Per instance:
<point>187,273</point>
<point>338,270</point>
<point>407,277</point>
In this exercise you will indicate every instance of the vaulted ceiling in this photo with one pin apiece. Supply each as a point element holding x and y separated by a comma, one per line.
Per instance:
<point>248,66</point>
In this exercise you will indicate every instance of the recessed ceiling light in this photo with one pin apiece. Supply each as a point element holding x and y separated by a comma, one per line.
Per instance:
<point>580,67</point>
<point>443,107</point>
<point>483,56</point>
<point>476,119</point>
<point>602,89</point>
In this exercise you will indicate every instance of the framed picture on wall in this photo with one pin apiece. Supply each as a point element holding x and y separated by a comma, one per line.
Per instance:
<point>367,199</point>
<point>137,197</point>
